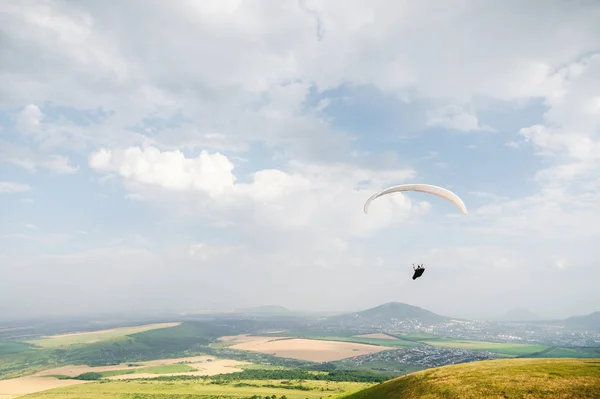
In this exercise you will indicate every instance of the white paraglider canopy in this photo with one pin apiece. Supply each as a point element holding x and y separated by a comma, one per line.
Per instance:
<point>424,188</point>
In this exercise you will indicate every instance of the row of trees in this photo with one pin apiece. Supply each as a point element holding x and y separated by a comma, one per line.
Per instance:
<point>285,374</point>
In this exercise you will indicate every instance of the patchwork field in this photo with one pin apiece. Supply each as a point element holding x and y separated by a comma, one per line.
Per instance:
<point>182,389</point>
<point>215,367</point>
<point>89,337</point>
<point>197,365</point>
<point>56,377</point>
<point>307,349</point>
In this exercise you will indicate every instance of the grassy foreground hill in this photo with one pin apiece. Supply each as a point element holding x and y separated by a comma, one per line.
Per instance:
<point>495,379</point>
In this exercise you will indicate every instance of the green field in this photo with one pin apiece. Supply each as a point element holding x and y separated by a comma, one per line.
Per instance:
<point>292,389</point>
<point>127,346</point>
<point>571,352</point>
<point>254,366</point>
<point>502,348</point>
<point>416,336</point>
<point>95,336</point>
<point>496,379</point>
<point>12,347</point>
<point>166,369</point>
<point>187,339</point>
<point>394,343</point>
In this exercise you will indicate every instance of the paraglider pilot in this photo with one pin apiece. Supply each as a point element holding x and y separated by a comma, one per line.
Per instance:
<point>419,270</point>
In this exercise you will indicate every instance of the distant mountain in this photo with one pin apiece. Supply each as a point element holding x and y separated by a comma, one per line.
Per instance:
<point>386,315</point>
<point>591,320</point>
<point>520,314</point>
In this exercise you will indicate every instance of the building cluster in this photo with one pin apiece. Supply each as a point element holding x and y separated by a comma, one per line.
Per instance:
<point>526,333</point>
<point>422,356</point>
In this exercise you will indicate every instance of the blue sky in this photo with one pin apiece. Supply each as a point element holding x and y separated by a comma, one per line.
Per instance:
<point>225,161</point>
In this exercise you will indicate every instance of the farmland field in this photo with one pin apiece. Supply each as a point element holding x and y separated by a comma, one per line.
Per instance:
<point>571,352</point>
<point>238,357</point>
<point>417,336</point>
<point>308,349</point>
<point>21,386</point>
<point>509,349</point>
<point>95,336</point>
<point>58,377</point>
<point>125,345</point>
<point>245,388</point>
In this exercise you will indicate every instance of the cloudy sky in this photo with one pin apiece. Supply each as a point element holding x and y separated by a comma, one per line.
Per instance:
<point>175,156</point>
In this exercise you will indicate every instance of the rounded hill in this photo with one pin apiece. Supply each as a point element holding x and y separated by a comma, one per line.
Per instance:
<point>387,313</point>
<point>495,379</point>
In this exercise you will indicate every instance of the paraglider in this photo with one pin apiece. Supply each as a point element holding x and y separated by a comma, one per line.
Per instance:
<point>419,270</point>
<point>424,188</point>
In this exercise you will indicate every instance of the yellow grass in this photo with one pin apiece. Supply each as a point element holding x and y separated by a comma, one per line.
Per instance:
<point>215,367</point>
<point>95,336</point>
<point>199,389</point>
<point>308,349</point>
<point>21,386</point>
<point>375,335</point>
<point>497,379</point>
<point>205,365</point>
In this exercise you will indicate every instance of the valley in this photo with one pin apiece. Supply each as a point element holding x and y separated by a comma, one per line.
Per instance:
<point>243,354</point>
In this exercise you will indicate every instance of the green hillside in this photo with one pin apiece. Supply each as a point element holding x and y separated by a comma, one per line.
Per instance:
<point>591,320</point>
<point>495,379</point>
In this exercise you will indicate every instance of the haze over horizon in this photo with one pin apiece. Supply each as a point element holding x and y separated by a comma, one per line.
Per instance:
<point>218,154</point>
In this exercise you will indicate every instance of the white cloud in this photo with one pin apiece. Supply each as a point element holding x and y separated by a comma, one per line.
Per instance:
<point>11,187</point>
<point>58,164</point>
<point>304,216</point>
<point>32,160</point>
<point>162,111</point>
<point>170,169</point>
<point>457,118</point>
<point>572,127</point>
<point>28,120</point>
<point>266,47</point>
<point>569,140</point>
<point>514,144</point>
<point>308,196</point>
